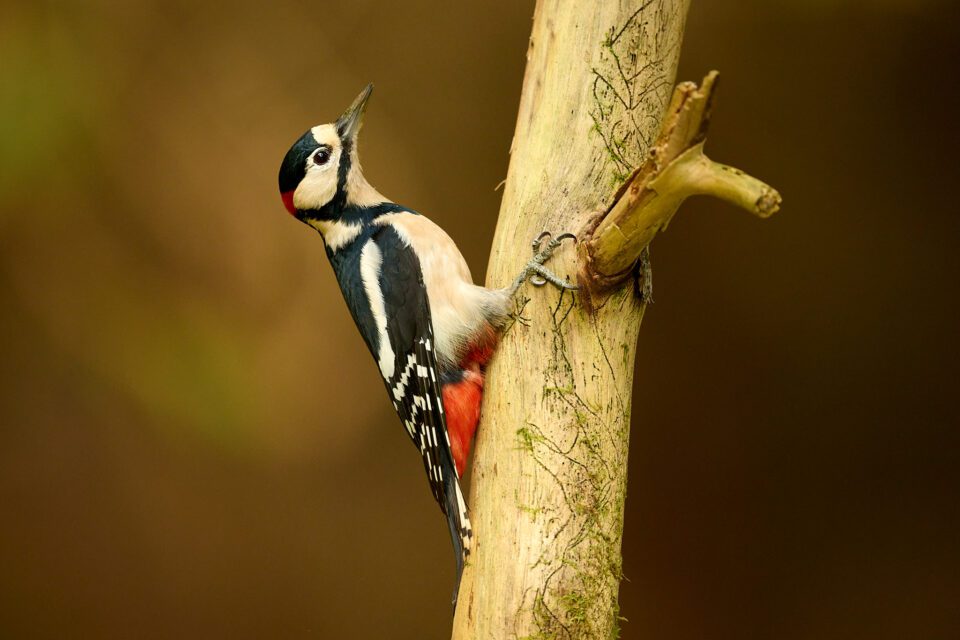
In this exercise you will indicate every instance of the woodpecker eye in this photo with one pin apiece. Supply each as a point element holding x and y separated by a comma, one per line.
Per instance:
<point>321,156</point>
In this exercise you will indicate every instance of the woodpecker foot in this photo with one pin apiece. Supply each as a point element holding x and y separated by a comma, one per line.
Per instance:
<point>538,274</point>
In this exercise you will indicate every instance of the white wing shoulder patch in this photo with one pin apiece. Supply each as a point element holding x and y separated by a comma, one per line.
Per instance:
<point>371,261</point>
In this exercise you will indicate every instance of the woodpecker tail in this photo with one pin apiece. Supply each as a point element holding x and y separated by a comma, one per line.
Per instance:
<point>458,520</point>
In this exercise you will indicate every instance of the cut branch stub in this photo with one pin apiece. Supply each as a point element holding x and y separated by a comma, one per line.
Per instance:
<point>676,169</point>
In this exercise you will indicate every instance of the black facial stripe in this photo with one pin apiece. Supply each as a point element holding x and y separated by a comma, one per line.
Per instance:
<point>293,167</point>
<point>343,170</point>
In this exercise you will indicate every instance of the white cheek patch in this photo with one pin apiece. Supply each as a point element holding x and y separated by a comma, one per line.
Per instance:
<point>316,189</point>
<point>319,185</point>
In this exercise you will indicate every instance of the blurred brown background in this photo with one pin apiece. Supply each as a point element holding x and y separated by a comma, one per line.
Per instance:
<point>194,440</point>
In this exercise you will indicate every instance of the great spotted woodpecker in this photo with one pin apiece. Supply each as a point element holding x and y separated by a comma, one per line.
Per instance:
<point>430,329</point>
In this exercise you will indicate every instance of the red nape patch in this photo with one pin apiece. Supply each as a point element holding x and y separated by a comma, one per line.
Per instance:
<point>287,197</point>
<point>461,403</point>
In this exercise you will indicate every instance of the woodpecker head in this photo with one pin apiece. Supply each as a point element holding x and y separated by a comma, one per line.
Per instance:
<point>321,176</point>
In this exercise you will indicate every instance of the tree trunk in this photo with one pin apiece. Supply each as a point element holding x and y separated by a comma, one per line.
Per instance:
<point>600,150</point>
<point>549,477</point>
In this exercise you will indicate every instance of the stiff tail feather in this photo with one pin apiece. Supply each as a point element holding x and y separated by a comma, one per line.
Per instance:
<point>461,531</point>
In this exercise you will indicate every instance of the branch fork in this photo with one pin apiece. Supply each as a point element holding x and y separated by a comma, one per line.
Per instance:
<point>677,168</point>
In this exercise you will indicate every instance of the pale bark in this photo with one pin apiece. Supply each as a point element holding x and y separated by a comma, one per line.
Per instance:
<point>549,475</point>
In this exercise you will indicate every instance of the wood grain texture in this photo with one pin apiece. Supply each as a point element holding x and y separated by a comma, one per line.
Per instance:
<point>549,475</point>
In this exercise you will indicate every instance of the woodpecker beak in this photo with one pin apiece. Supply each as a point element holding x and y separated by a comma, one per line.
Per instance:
<point>348,125</point>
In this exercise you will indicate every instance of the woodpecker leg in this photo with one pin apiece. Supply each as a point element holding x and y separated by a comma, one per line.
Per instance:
<point>539,275</point>
<point>544,275</point>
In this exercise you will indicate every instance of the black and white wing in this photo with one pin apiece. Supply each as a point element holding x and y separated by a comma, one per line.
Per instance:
<point>405,352</point>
